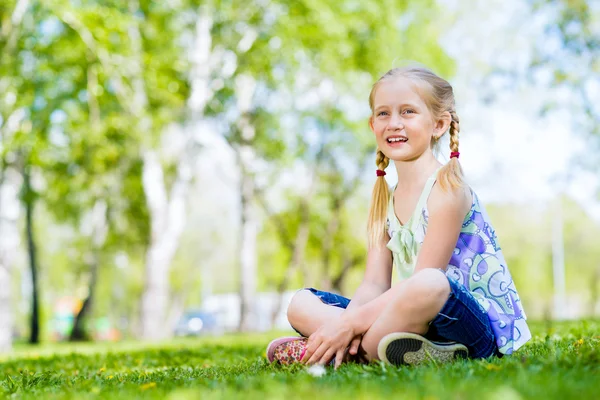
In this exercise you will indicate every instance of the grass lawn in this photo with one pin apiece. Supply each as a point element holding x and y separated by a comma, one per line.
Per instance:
<point>562,361</point>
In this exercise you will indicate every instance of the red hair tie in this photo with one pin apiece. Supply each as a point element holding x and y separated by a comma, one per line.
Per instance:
<point>454,154</point>
<point>380,172</point>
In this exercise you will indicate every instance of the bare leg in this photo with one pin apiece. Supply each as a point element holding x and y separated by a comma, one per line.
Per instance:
<point>307,312</point>
<point>417,301</point>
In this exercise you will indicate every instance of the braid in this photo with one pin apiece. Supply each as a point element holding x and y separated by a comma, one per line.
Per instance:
<point>451,174</point>
<point>381,160</point>
<point>454,130</point>
<point>379,201</point>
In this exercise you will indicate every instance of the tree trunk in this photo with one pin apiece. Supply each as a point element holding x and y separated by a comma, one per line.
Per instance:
<point>79,332</point>
<point>247,254</point>
<point>29,200</point>
<point>99,233</point>
<point>168,223</point>
<point>245,87</point>
<point>6,318</point>
<point>9,202</point>
<point>167,212</point>
<point>347,264</point>
<point>9,240</point>
<point>6,322</point>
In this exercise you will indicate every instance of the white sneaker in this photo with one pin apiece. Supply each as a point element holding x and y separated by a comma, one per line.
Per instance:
<point>403,348</point>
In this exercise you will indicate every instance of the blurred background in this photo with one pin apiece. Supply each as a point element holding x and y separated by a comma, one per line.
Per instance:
<point>176,168</point>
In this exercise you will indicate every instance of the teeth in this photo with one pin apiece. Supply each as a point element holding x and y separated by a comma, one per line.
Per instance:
<point>391,140</point>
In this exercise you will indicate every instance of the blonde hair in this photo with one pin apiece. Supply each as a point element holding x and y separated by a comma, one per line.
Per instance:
<point>438,95</point>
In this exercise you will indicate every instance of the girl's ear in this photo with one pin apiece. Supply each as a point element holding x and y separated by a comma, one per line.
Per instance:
<point>371,124</point>
<point>442,124</point>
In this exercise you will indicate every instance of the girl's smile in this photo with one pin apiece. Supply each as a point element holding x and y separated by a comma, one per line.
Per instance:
<point>396,140</point>
<point>401,121</point>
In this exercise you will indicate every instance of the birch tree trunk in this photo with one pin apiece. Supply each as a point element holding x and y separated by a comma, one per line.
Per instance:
<point>167,211</point>
<point>9,241</point>
<point>247,254</point>
<point>245,86</point>
<point>6,322</point>
<point>9,200</point>
<point>168,223</point>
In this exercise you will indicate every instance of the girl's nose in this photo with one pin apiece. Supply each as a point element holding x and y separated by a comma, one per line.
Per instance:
<point>395,122</point>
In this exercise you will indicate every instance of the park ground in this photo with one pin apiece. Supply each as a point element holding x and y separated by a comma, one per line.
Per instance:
<point>562,361</point>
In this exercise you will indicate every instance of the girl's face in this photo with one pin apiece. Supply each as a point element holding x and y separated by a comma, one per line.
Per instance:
<point>401,121</point>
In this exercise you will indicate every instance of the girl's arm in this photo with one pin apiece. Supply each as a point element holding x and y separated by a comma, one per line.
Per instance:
<point>446,213</point>
<point>377,279</point>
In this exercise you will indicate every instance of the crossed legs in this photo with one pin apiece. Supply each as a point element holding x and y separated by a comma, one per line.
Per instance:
<point>415,303</point>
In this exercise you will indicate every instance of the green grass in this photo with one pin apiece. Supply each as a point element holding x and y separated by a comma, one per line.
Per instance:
<point>561,361</point>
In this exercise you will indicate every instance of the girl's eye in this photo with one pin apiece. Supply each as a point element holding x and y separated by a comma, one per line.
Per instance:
<point>381,113</point>
<point>408,111</point>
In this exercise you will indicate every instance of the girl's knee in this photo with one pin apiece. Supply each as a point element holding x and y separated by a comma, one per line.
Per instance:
<point>298,304</point>
<point>429,283</point>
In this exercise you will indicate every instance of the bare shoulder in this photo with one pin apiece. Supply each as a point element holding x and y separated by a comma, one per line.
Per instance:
<point>452,201</point>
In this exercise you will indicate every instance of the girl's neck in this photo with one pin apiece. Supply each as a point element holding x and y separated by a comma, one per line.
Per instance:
<point>413,174</point>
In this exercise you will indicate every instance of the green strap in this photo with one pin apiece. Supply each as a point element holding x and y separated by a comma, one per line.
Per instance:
<point>411,223</point>
<point>414,220</point>
<point>402,242</point>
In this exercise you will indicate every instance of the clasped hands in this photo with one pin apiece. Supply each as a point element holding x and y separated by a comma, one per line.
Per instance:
<point>332,339</point>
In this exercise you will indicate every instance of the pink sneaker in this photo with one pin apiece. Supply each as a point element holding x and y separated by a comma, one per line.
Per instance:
<point>287,350</point>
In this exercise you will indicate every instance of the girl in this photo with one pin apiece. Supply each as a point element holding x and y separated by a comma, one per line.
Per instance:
<point>456,297</point>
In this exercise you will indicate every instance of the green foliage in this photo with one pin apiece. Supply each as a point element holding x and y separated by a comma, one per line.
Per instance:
<point>345,46</point>
<point>560,362</point>
<point>71,68</point>
<point>528,253</point>
<point>575,26</point>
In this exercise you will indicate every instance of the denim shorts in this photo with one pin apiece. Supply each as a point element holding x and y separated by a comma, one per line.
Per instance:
<point>462,320</point>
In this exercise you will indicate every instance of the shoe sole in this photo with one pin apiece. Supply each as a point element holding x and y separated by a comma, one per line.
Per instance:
<point>403,348</point>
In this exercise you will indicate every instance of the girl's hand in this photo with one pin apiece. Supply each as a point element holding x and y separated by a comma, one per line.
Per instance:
<point>354,345</point>
<point>330,340</point>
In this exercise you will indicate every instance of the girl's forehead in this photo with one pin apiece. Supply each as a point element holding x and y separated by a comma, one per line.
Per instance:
<point>397,90</point>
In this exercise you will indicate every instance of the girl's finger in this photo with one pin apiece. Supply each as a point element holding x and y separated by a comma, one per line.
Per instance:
<point>339,357</point>
<point>308,353</point>
<point>326,357</point>
<point>354,346</point>
<point>317,355</point>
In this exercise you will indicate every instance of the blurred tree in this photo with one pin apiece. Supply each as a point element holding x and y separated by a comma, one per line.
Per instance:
<point>103,103</point>
<point>80,138</point>
<point>19,134</point>
<point>145,38</point>
<point>331,113</point>
<point>12,119</point>
<point>157,28</point>
<point>76,143</point>
<point>528,253</point>
<point>574,64</point>
<point>29,197</point>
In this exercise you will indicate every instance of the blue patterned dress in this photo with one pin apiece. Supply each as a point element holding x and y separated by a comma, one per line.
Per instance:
<point>477,263</point>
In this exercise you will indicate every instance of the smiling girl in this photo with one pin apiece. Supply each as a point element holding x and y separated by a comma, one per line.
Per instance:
<point>456,297</point>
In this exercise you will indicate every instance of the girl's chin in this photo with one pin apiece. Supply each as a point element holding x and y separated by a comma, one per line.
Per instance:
<point>402,154</point>
<point>396,154</point>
